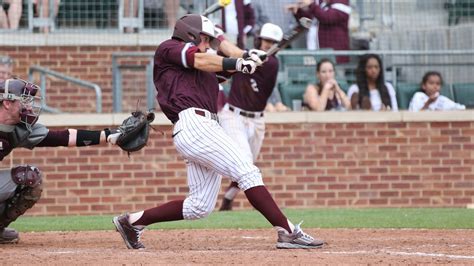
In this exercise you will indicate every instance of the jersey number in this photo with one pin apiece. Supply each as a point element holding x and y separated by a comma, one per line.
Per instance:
<point>254,85</point>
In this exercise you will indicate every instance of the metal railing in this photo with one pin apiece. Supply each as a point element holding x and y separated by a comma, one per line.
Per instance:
<point>45,71</point>
<point>117,89</point>
<point>44,20</point>
<point>385,54</point>
<point>126,20</point>
<point>113,15</point>
<point>456,62</point>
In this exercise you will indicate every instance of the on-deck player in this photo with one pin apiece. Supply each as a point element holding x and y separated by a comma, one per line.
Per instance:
<point>187,86</point>
<point>242,117</point>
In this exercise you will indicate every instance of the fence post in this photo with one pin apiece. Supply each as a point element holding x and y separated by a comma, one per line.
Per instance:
<point>116,85</point>
<point>150,85</point>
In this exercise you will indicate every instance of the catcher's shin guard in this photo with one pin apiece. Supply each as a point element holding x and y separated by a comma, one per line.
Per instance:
<point>29,181</point>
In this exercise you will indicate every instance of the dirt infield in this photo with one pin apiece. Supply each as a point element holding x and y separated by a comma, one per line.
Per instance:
<point>244,247</point>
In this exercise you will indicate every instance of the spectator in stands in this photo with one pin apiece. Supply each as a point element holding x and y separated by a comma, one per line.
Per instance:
<point>326,95</point>
<point>42,10</point>
<point>238,20</point>
<point>274,103</point>
<point>429,98</point>
<point>333,22</point>
<point>273,11</point>
<point>170,7</point>
<point>371,91</point>
<point>6,67</point>
<point>10,14</point>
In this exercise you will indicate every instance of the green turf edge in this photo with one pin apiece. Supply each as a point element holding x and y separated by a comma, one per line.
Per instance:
<point>429,218</point>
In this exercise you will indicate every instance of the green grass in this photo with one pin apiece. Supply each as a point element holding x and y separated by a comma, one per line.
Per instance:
<point>313,218</point>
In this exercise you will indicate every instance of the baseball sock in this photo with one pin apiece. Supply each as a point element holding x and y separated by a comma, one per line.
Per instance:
<point>261,200</point>
<point>171,211</point>
<point>232,191</point>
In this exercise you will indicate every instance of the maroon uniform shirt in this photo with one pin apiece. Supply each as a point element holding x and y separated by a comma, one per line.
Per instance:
<point>333,30</point>
<point>245,17</point>
<point>251,92</point>
<point>179,85</point>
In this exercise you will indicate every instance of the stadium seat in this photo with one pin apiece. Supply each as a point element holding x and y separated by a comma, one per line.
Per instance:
<point>447,91</point>
<point>458,9</point>
<point>464,94</point>
<point>301,68</point>
<point>405,92</point>
<point>343,84</point>
<point>80,13</point>
<point>290,92</point>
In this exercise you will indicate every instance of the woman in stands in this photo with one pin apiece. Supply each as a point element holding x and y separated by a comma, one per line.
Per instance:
<point>371,92</point>
<point>428,98</point>
<point>326,95</point>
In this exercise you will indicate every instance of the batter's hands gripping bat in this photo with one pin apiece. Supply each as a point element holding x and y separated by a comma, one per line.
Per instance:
<point>303,26</point>
<point>215,7</point>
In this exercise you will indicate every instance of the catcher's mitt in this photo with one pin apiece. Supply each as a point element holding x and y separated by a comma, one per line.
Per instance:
<point>133,134</point>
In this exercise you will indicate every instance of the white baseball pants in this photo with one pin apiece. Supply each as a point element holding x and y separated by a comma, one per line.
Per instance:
<point>210,153</point>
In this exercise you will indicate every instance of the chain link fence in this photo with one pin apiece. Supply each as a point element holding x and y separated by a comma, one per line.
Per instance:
<point>372,23</point>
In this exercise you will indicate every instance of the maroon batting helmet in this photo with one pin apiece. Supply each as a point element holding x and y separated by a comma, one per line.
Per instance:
<point>188,28</point>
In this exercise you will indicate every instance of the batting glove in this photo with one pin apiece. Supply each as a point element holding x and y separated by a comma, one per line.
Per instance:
<point>256,55</point>
<point>246,66</point>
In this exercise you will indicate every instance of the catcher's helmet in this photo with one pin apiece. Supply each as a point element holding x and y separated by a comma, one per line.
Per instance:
<point>188,28</point>
<point>21,90</point>
<point>269,32</point>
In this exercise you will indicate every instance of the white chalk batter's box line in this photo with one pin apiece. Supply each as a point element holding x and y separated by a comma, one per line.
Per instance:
<point>360,252</point>
<point>400,253</point>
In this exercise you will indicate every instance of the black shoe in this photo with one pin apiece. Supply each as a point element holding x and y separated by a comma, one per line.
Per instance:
<point>130,234</point>
<point>226,205</point>
<point>9,236</point>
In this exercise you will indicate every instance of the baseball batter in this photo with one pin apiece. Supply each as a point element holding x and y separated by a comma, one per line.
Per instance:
<point>242,116</point>
<point>187,86</point>
<point>21,186</point>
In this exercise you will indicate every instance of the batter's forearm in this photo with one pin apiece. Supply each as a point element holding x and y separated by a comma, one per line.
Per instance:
<point>230,49</point>
<point>208,62</point>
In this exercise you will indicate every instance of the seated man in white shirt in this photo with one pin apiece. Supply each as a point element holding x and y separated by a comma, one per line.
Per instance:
<point>429,98</point>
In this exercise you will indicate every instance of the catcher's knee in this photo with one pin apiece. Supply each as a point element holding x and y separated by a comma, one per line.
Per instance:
<point>30,186</point>
<point>250,180</point>
<point>26,175</point>
<point>193,209</point>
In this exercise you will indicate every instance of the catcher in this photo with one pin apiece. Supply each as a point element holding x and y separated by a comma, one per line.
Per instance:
<point>21,186</point>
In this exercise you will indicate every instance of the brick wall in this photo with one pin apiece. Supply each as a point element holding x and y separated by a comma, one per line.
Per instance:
<point>305,165</point>
<point>327,161</point>
<point>91,63</point>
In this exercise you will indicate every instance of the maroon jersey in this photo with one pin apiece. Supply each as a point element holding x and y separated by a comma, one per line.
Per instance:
<point>179,85</point>
<point>251,92</point>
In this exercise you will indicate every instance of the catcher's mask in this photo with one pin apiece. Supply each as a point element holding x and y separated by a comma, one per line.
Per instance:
<point>21,90</point>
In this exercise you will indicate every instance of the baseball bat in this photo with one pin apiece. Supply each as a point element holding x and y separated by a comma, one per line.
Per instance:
<point>215,7</point>
<point>303,25</point>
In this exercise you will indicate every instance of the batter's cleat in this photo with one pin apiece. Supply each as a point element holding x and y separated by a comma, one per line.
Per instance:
<point>226,205</point>
<point>9,236</point>
<point>130,234</point>
<point>297,239</point>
